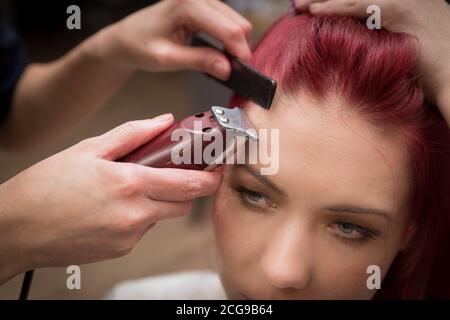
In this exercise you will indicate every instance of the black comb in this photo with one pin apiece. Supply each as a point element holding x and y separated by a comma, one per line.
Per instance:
<point>244,80</point>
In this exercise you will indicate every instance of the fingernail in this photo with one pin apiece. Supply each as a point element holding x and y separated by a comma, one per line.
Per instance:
<point>163,117</point>
<point>220,69</point>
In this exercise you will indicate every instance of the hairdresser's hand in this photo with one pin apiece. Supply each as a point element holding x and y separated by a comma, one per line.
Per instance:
<point>80,206</point>
<point>429,20</point>
<point>154,38</point>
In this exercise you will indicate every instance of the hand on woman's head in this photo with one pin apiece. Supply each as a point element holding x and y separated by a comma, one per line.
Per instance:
<point>428,20</point>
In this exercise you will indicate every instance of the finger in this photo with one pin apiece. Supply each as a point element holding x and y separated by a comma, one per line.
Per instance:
<point>201,59</point>
<point>303,5</point>
<point>235,16</point>
<point>127,137</point>
<point>340,7</point>
<point>178,184</point>
<point>219,26</point>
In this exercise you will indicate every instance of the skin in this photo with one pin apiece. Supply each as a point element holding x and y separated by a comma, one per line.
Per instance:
<point>305,252</point>
<point>81,206</point>
<point>428,20</point>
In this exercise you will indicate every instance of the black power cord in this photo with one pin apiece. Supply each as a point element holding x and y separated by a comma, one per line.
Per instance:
<point>26,284</point>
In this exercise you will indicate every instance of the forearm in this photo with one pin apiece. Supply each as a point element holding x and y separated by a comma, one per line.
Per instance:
<point>54,98</point>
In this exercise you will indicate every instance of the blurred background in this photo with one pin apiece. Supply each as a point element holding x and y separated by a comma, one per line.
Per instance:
<point>173,245</point>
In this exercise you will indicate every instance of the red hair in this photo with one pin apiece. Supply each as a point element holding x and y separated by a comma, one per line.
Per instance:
<point>373,71</point>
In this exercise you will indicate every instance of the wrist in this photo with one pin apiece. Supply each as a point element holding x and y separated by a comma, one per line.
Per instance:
<point>15,255</point>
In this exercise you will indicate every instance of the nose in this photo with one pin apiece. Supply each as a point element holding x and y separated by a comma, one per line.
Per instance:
<point>287,259</point>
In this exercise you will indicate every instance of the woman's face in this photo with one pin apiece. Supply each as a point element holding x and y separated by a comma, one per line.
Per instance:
<point>337,205</point>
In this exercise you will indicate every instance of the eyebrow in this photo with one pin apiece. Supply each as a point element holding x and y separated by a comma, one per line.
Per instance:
<point>263,179</point>
<point>359,210</point>
<point>336,209</point>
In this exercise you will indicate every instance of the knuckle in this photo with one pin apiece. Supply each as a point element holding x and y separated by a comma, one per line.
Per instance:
<point>87,144</point>
<point>128,127</point>
<point>128,183</point>
<point>160,54</point>
<point>234,32</point>
<point>137,219</point>
<point>156,52</point>
<point>128,223</point>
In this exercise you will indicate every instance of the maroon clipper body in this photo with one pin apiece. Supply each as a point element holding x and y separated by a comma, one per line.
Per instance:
<point>198,131</point>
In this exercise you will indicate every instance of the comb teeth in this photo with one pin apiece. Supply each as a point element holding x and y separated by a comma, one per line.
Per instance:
<point>244,80</point>
<point>251,84</point>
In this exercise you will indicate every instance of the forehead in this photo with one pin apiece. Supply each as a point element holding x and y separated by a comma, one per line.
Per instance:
<point>328,150</point>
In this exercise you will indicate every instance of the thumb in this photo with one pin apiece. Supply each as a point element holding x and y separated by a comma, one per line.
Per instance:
<point>201,59</point>
<point>125,138</point>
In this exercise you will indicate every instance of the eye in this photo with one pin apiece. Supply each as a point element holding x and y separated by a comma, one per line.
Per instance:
<point>254,199</point>
<point>354,232</point>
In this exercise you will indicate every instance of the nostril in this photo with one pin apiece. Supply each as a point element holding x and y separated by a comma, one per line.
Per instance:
<point>200,115</point>
<point>206,129</point>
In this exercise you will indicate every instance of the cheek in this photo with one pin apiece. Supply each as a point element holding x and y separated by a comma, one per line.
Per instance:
<point>236,251</point>
<point>227,227</point>
<point>348,277</point>
<point>230,255</point>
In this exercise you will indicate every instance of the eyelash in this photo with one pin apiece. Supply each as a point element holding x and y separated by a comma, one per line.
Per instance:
<point>244,195</point>
<point>365,233</point>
